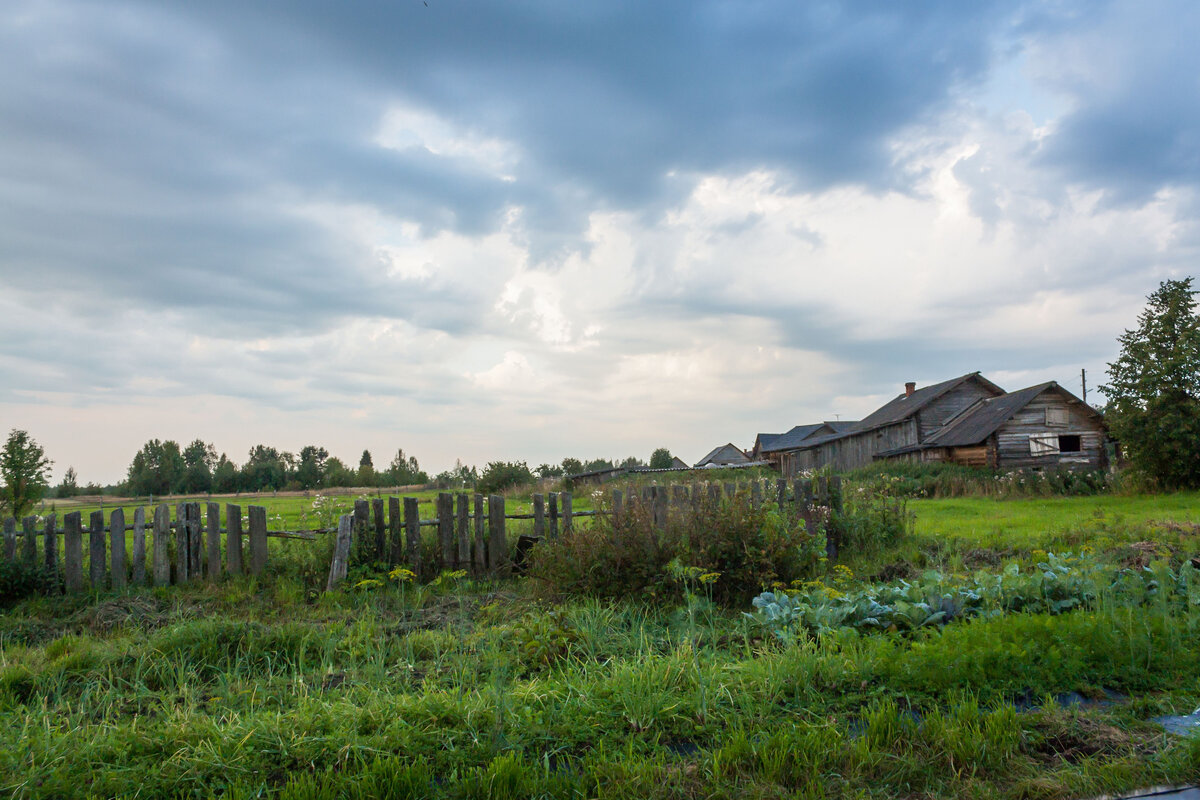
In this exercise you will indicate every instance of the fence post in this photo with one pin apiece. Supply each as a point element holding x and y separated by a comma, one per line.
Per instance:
<point>481,560</point>
<point>258,539</point>
<point>381,553</point>
<point>195,542</point>
<point>780,492</point>
<point>73,551</point>
<point>396,546</point>
<point>445,527</point>
<point>714,493</point>
<point>29,545</point>
<point>97,563</point>
<point>214,541</point>
<point>161,541</point>
<point>756,495</point>
<point>116,539</point>
<point>552,531</point>
<point>498,542</point>
<point>565,497</point>
<point>412,533</point>
<point>617,503</point>
<point>233,539</point>
<point>362,522</point>
<point>658,508</point>
<point>10,539</point>
<point>730,490</point>
<point>679,495</point>
<point>539,516</point>
<point>139,546</point>
<point>50,542</point>
<point>341,551</point>
<point>464,531</point>
<point>182,563</point>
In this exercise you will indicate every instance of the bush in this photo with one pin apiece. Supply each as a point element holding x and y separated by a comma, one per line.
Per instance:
<point>500,475</point>
<point>19,580</point>
<point>626,555</point>
<point>898,479</point>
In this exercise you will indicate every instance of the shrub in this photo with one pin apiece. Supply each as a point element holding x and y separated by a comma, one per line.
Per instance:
<point>898,479</point>
<point>500,475</point>
<point>19,579</point>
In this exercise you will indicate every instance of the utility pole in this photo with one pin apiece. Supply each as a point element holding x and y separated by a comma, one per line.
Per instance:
<point>1083,378</point>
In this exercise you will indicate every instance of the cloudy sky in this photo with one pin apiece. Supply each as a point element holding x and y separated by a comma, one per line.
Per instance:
<point>537,229</point>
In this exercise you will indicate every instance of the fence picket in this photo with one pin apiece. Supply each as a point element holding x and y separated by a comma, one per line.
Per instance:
<point>182,562</point>
<point>464,531</point>
<point>73,551</point>
<point>565,499</point>
<point>481,557</point>
<point>412,533</point>
<point>381,553</point>
<point>445,530</point>
<point>116,539</point>
<point>29,542</point>
<point>97,563</point>
<point>539,516</point>
<point>195,542</point>
<point>552,530</point>
<point>161,541</point>
<point>139,546</point>
<point>233,539</point>
<point>498,560</point>
<point>214,541</point>
<point>396,543</point>
<point>258,539</point>
<point>341,551</point>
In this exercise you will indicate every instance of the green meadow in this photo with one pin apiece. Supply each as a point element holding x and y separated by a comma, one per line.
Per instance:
<point>268,687</point>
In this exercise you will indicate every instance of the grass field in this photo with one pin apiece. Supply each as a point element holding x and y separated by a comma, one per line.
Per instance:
<point>251,688</point>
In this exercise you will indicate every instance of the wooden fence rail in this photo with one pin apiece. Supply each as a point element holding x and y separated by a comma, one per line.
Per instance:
<point>471,533</point>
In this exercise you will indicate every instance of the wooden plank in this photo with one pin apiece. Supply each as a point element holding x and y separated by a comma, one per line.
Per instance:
<point>412,533</point>
<point>445,526</point>
<point>195,542</point>
<point>214,541</point>
<point>29,540</point>
<point>341,552</point>
<point>73,551</point>
<point>233,539</point>
<point>539,516</point>
<point>381,553</point>
<point>756,495</point>
<point>481,559</point>
<point>714,493</point>
<point>116,541</point>
<point>50,543</point>
<point>258,539</point>
<point>97,559</point>
<point>730,490</point>
<point>10,539</point>
<point>617,503</point>
<point>498,560</point>
<point>552,527</point>
<point>464,531</point>
<point>161,544</point>
<point>139,546</point>
<point>659,509</point>
<point>679,495</point>
<point>565,499</point>
<point>182,562</point>
<point>395,536</point>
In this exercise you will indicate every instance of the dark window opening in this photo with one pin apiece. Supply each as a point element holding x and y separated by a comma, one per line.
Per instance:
<point>1069,444</point>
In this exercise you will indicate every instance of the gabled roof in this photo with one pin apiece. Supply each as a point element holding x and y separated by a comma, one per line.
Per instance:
<point>728,453</point>
<point>904,406</point>
<point>786,441</point>
<point>678,463</point>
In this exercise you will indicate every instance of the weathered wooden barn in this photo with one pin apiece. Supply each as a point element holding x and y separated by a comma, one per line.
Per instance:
<point>967,420</point>
<point>778,448</point>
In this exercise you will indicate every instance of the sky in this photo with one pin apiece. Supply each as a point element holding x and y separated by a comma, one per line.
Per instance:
<point>534,229</point>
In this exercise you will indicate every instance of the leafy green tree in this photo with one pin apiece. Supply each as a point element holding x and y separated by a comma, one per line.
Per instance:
<point>157,469</point>
<point>337,473</point>
<point>405,471</point>
<point>311,471</point>
<point>264,469</point>
<point>547,471</point>
<point>661,459</point>
<point>1153,389</point>
<point>69,487</point>
<point>572,466</point>
<point>632,461</point>
<point>24,469</point>
<point>500,475</point>
<point>199,459</point>
<point>225,476</point>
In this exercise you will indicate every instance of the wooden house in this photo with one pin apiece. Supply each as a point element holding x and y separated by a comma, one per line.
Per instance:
<point>1041,426</point>
<point>726,455</point>
<point>966,420</point>
<point>779,448</point>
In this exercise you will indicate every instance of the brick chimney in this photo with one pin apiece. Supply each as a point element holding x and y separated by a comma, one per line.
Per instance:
<point>909,388</point>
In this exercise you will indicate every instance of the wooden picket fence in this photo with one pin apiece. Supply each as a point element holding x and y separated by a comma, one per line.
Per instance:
<point>474,539</point>
<point>471,533</point>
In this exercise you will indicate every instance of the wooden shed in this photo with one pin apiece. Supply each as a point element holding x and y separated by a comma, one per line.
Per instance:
<point>724,456</point>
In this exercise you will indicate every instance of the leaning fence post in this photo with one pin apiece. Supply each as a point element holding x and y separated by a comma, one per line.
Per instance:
<point>258,539</point>
<point>412,533</point>
<point>97,563</point>
<point>552,531</point>
<point>116,538</point>
<point>161,544</point>
<point>214,541</point>
<point>463,530</point>
<point>498,544</point>
<point>445,526</point>
<point>481,560</point>
<point>396,545</point>
<point>29,545</point>
<point>10,539</point>
<point>73,551</point>
<point>139,546</point>
<point>233,539</point>
<point>50,542</point>
<point>341,551</point>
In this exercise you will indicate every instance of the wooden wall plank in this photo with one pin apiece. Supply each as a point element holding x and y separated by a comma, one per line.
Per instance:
<point>116,540</point>
<point>182,562</point>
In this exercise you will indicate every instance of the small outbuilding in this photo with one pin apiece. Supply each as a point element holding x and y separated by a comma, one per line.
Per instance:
<point>727,455</point>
